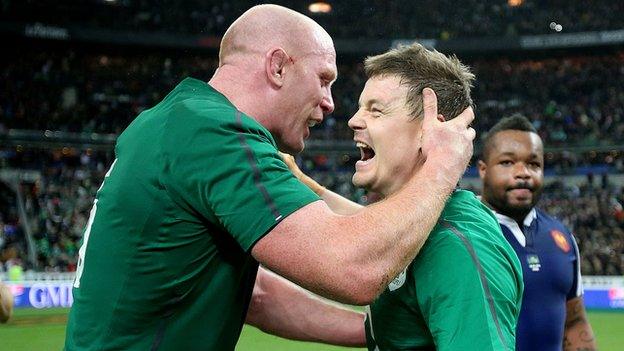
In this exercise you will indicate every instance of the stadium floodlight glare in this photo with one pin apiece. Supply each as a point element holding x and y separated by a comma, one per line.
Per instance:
<point>515,3</point>
<point>320,7</point>
<point>556,26</point>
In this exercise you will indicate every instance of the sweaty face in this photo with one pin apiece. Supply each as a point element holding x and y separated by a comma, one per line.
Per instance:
<point>308,97</point>
<point>387,135</point>
<point>513,172</point>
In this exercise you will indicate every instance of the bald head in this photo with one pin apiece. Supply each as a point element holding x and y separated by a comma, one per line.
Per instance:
<point>277,66</point>
<point>268,26</point>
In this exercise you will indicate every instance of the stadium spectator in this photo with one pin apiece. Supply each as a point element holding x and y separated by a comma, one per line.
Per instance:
<point>553,313</point>
<point>204,199</point>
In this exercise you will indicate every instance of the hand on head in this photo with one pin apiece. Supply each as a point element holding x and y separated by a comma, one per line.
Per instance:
<point>448,144</point>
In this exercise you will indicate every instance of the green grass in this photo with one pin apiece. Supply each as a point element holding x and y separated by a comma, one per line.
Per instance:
<point>609,329</point>
<point>254,339</point>
<point>32,329</point>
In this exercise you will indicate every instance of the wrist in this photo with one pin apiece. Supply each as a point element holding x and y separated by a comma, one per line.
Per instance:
<point>439,175</point>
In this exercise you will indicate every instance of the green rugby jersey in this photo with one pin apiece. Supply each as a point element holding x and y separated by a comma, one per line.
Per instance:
<point>462,292</point>
<point>165,262</point>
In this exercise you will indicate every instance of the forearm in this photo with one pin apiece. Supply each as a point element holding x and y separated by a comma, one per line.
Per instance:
<point>579,338</point>
<point>281,308</point>
<point>578,334</point>
<point>352,259</point>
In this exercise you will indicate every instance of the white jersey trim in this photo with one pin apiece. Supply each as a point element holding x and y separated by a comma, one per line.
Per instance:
<point>579,280</point>
<point>513,226</point>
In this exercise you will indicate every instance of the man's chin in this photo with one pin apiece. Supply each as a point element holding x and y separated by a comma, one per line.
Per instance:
<point>292,149</point>
<point>359,182</point>
<point>515,209</point>
<point>520,204</point>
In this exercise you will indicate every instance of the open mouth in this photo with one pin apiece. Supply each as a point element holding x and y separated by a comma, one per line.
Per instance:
<point>366,152</point>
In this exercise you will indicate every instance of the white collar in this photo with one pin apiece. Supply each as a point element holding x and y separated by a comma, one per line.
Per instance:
<point>528,220</point>
<point>513,226</point>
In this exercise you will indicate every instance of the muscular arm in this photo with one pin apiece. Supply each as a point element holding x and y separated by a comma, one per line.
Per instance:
<point>339,204</point>
<point>284,309</point>
<point>578,334</point>
<point>352,258</point>
<point>6,303</point>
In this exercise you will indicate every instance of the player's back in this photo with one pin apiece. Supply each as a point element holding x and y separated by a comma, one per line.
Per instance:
<point>149,254</point>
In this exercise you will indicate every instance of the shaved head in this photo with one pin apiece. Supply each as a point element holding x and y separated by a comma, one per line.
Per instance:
<point>277,66</point>
<point>268,26</point>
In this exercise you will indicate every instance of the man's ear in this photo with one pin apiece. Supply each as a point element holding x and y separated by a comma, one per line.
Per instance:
<point>482,168</point>
<point>275,61</point>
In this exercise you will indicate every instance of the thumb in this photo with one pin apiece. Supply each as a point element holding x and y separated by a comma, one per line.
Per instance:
<point>430,107</point>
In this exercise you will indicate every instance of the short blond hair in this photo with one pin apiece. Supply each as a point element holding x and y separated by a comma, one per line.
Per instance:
<point>419,68</point>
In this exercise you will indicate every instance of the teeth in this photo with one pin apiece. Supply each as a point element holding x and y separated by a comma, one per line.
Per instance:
<point>311,123</point>
<point>361,144</point>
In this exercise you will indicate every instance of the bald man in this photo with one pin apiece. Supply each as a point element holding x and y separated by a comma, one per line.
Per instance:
<point>198,196</point>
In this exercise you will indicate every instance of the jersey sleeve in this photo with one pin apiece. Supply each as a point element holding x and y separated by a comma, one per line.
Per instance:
<point>577,285</point>
<point>227,169</point>
<point>456,298</point>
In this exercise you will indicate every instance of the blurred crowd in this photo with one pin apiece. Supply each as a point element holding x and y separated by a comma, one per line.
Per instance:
<point>66,91</point>
<point>572,100</point>
<point>58,201</point>
<point>350,19</point>
<point>594,212</point>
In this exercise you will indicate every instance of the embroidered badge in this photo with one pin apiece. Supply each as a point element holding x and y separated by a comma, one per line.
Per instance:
<point>560,240</point>
<point>398,281</point>
<point>534,263</point>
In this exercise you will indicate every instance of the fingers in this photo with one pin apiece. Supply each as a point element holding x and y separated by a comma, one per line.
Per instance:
<point>472,134</point>
<point>289,160</point>
<point>286,157</point>
<point>430,106</point>
<point>430,110</point>
<point>465,118</point>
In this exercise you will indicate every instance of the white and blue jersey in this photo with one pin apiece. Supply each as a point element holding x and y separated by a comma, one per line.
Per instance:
<point>551,268</point>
